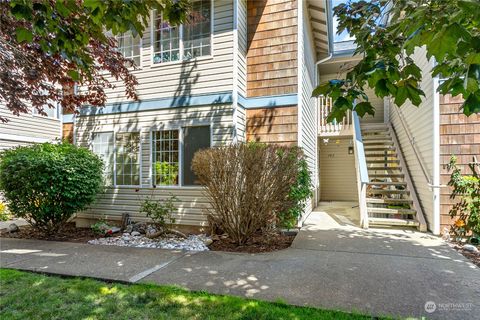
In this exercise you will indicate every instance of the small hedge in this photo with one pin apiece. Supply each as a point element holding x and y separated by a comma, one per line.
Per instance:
<point>252,187</point>
<point>47,183</point>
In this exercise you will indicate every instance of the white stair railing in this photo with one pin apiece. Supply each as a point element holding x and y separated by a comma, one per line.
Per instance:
<point>334,128</point>
<point>361,169</point>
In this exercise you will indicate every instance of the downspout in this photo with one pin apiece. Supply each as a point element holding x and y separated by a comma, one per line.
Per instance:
<point>328,14</point>
<point>436,158</point>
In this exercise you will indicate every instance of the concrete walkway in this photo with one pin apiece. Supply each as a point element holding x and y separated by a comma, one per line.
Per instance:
<point>332,264</point>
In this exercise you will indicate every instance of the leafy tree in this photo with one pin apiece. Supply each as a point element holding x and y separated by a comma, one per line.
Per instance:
<point>387,32</point>
<point>48,45</point>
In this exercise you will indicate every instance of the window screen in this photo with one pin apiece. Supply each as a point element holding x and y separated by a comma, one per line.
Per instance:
<point>194,139</point>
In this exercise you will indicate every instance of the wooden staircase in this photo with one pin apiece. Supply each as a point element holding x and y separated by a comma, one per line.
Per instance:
<point>390,201</point>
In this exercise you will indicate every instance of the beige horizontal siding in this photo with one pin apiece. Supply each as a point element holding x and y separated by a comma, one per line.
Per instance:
<point>28,126</point>
<point>117,200</point>
<point>184,78</point>
<point>338,180</point>
<point>419,122</point>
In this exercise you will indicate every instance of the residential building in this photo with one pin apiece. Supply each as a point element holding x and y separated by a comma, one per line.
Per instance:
<point>245,71</point>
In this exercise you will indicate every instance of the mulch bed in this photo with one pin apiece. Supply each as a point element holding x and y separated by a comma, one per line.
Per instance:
<point>258,244</point>
<point>473,257</point>
<point>69,233</point>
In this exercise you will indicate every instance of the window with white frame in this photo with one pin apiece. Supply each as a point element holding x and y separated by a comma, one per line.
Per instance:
<point>127,158</point>
<point>166,44</point>
<point>102,145</point>
<point>165,157</point>
<point>130,46</point>
<point>197,32</point>
<point>187,41</point>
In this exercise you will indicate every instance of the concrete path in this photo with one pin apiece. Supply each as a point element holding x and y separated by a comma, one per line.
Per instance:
<point>332,264</point>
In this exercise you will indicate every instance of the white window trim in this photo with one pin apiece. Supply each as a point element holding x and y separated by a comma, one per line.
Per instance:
<point>180,46</point>
<point>180,128</point>
<point>140,66</point>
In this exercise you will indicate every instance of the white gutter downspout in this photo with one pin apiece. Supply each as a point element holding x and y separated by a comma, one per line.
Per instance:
<point>436,158</point>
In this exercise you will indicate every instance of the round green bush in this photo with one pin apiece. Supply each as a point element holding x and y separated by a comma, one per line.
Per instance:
<point>47,183</point>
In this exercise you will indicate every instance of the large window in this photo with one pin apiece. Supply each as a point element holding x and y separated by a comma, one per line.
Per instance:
<point>127,159</point>
<point>130,46</point>
<point>102,145</point>
<point>165,156</point>
<point>193,39</point>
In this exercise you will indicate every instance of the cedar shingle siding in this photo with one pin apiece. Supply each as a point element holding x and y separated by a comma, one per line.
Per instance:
<point>459,136</point>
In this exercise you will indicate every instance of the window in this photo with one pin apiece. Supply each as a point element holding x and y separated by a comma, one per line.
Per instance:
<point>165,157</point>
<point>193,39</point>
<point>102,145</point>
<point>166,46</point>
<point>129,46</point>
<point>127,159</point>
<point>194,139</point>
<point>197,32</point>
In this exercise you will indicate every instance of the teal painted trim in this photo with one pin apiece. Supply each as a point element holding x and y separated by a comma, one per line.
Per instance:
<point>163,103</point>
<point>67,118</point>
<point>268,101</point>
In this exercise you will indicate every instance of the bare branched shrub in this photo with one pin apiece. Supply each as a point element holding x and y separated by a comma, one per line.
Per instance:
<point>247,185</point>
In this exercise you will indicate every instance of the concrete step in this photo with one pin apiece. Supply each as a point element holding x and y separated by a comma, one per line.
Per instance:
<point>392,222</point>
<point>389,201</point>
<point>390,211</point>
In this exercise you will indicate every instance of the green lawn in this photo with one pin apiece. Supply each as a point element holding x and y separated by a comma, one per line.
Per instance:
<point>25,295</point>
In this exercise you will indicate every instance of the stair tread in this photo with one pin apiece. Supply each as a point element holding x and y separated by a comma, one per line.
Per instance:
<point>382,191</point>
<point>388,183</point>
<point>393,222</point>
<point>388,201</point>
<point>383,161</point>
<point>390,210</point>
<point>386,175</point>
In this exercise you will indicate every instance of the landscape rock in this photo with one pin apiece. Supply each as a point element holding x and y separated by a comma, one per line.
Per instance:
<point>139,227</point>
<point>13,228</point>
<point>470,248</point>
<point>135,233</point>
<point>192,243</point>
<point>129,228</point>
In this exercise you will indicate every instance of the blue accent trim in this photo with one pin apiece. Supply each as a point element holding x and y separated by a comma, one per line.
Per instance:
<point>268,101</point>
<point>67,118</point>
<point>162,103</point>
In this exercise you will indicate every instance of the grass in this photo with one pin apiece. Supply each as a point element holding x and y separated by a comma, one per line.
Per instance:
<point>25,295</point>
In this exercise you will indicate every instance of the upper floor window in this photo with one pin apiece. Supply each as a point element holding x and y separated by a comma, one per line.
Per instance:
<point>187,41</point>
<point>130,46</point>
<point>342,42</point>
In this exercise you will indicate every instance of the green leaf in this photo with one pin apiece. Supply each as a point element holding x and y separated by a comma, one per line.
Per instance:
<point>74,75</point>
<point>24,35</point>
<point>322,89</point>
<point>473,58</point>
<point>364,107</point>
<point>472,104</point>
<point>445,41</point>
<point>401,96</point>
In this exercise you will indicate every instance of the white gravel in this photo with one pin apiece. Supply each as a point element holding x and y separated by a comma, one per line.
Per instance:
<point>192,243</point>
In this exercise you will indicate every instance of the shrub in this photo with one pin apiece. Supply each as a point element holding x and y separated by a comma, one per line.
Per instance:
<point>300,191</point>
<point>47,183</point>
<point>467,210</point>
<point>247,186</point>
<point>160,211</point>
